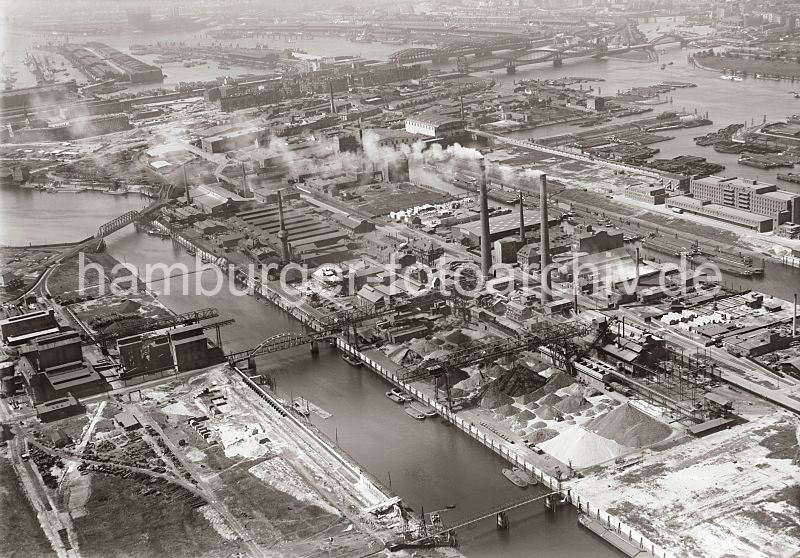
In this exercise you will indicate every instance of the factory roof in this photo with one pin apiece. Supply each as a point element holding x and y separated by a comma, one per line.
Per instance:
<point>212,195</point>
<point>503,223</point>
<point>434,119</point>
<point>74,377</point>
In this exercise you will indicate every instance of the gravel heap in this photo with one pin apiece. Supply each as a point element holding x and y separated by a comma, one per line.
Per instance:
<point>629,426</point>
<point>572,404</point>
<point>539,436</point>
<point>547,412</point>
<point>494,398</point>
<point>550,399</point>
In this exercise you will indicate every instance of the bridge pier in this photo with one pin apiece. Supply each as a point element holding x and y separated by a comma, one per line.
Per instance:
<point>314,347</point>
<point>502,521</point>
<point>511,67</point>
<point>557,62</point>
<point>251,364</point>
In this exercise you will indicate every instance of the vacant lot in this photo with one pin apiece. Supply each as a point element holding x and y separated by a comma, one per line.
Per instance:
<point>122,522</point>
<point>20,533</point>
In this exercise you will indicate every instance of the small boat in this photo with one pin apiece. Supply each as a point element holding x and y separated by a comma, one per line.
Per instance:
<point>298,406</point>
<point>516,476</point>
<point>424,409</point>
<point>402,395</point>
<point>394,398</point>
<point>412,412</point>
<point>351,360</point>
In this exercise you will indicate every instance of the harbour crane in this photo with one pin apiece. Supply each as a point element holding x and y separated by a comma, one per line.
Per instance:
<point>557,337</point>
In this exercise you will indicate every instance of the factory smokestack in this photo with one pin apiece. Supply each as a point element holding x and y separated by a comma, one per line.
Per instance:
<point>245,190</point>
<point>333,102</point>
<point>186,186</point>
<point>461,100</point>
<point>545,233</point>
<point>637,266</point>
<point>486,241</point>
<point>521,220</point>
<point>283,236</point>
<point>794,317</point>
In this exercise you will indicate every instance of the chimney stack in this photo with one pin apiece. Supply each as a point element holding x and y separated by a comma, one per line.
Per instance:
<point>283,236</point>
<point>545,234</point>
<point>245,190</point>
<point>637,266</point>
<point>486,241</point>
<point>521,220</point>
<point>794,317</point>
<point>333,102</point>
<point>186,186</point>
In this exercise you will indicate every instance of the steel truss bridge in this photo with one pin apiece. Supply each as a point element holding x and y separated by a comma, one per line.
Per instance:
<point>511,52</point>
<point>560,338</point>
<point>325,328</point>
<point>459,48</point>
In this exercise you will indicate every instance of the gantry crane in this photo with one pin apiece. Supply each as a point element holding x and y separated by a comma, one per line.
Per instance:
<point>558,337</point>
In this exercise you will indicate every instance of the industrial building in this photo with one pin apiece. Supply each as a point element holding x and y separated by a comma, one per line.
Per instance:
<point>174,350</point>
<point>501,226</point>
<point>308,238</point>
<point>646,193</point>
<point>724,213</point>
<point>52,367</point>
<point>434,125</point>
<point>16,330</point>
<point>215,199</point>
<point>749,196</point>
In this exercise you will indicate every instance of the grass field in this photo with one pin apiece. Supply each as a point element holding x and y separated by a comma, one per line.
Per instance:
<point>20,533</point>
<point>122,523</point>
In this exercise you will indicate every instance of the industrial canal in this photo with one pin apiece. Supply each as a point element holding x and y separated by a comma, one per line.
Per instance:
<point>430,464</point>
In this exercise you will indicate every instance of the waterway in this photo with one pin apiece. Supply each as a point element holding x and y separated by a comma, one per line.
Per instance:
<point>431,465</point>
<point>29,216</point>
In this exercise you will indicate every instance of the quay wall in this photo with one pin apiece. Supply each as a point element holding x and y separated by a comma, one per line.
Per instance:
<point>481,435</point>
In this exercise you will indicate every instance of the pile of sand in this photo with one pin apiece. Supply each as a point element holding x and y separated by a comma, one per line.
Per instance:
<point>582,448</point>
<point>538,424</point>
<point>547,412</point>
<point>629,426</point>
<point>528,399</point>
<point>573,404</point>
<point>550,399</point>
<point>539,436</point>
<point>574,389</point>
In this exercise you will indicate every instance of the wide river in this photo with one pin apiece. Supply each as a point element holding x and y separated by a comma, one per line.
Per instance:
<point>431,465</point>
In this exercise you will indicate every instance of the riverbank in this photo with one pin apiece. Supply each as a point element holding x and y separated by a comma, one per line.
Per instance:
<point>776,68</point>
<point>477,432</point>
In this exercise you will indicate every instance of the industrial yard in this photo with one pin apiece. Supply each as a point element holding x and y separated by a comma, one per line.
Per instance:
<point>383,295</point>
